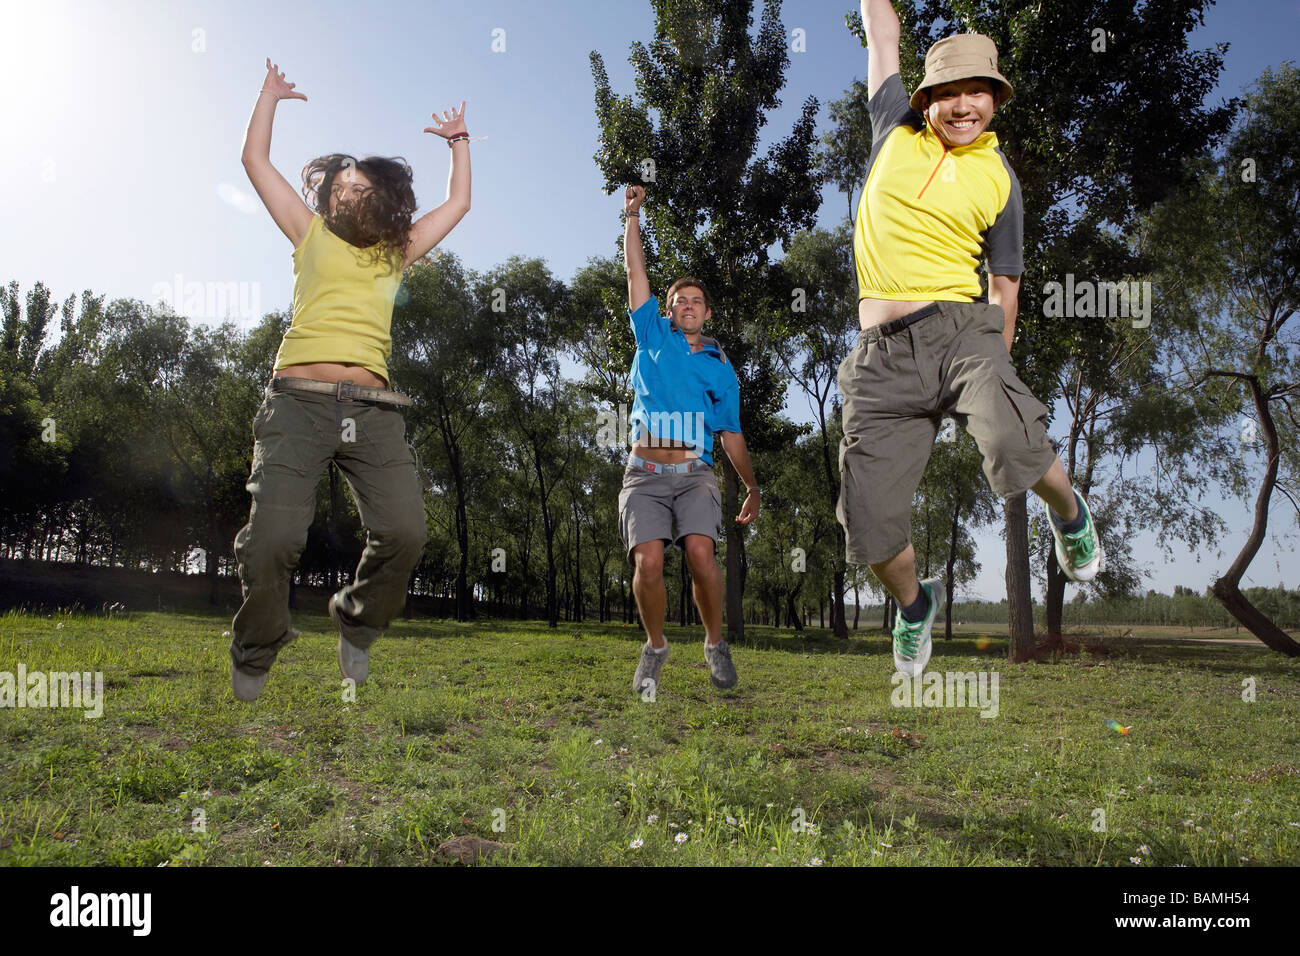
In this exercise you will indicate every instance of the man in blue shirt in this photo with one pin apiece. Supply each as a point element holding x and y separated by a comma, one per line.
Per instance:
<point>685,392</point>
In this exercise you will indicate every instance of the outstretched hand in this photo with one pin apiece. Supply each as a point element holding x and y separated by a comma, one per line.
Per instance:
<point>274,83</point>
<point>633,199</point>
<point>451,124</point>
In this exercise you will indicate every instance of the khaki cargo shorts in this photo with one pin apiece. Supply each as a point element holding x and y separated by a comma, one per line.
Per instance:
<point>897,388</point>
<point>651,504</point>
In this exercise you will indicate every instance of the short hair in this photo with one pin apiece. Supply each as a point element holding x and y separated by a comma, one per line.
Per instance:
<point>690,281</point>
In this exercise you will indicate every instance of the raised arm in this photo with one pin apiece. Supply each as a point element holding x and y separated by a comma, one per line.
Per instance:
<point>431,228</point>
<point>881,25</point>
<point>638,284</point>
<point>281,200</point>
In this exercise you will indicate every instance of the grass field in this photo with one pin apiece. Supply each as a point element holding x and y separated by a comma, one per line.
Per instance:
<point>533,738</point>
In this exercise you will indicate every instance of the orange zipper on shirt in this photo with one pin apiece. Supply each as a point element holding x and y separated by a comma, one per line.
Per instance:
<point>936,169</point>
<point>941,159</point>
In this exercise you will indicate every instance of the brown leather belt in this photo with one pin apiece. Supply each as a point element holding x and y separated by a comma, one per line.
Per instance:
<point>343,391</point>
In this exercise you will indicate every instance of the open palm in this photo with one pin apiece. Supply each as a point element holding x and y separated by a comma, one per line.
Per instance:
<point>451,124</point>
<point>275,83</point>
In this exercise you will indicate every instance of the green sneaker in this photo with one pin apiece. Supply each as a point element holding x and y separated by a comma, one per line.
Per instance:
<point>912,641</point>
<point>1080,554</point>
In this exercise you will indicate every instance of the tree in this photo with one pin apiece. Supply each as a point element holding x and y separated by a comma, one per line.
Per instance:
<point>533,330</point>
<point>820,327</point>
<point>704,89</point>
<point>953,498</point>
<point>1233,291</point>
<point>445,351</point>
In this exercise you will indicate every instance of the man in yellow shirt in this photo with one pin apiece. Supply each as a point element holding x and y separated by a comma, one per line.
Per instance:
<point>939,199</point>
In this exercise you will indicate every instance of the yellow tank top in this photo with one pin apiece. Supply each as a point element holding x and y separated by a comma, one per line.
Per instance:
<point>342,304</point>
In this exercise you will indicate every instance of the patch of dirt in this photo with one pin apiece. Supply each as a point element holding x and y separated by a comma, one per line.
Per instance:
<point>170,741</point>
<point>1268,773</point>
<point>468,850</point>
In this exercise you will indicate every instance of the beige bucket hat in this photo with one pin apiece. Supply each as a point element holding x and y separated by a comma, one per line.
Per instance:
<point>963,57</point>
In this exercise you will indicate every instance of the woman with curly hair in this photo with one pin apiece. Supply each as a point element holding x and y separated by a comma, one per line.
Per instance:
<point>329,398</point>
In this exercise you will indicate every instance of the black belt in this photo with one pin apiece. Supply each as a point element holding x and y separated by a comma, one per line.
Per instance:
<point>878,332</point>
<point>343,391</point>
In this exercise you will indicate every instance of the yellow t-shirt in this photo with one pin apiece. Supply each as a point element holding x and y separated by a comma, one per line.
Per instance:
<point>929,214</point>
<point>342,304</point>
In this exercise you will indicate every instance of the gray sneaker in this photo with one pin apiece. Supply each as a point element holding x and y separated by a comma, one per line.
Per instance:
<point>646,678</point>
<point>354,661</point>
<point>721,671</point>
<point>248,685</point>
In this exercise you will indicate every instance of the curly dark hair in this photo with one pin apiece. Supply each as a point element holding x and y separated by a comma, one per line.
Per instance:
<point>381,218</point>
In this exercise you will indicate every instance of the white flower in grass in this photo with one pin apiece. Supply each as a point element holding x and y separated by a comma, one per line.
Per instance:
<point>1290,824</point>
<point>875,852</point>
<point>636,844</point>
<point>815,861</point>
<point>889,845</point>
<point>673,826</point>
<point>599,741</point>
<point>732,821</point>
<point>1144,849</point>
<point>681,838</point>
<point>1135,860</point>
<point>653,818</point>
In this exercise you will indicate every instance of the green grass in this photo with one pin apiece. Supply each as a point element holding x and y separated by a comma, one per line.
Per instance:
<point>461,726</point>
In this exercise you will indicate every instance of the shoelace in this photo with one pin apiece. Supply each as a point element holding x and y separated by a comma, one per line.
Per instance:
<point>910,640</point>
<point>1081,545</point>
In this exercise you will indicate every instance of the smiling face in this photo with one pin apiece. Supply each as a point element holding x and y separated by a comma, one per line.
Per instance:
<point>960,111</point>
<point>349,186</point>
<point>689,310</point>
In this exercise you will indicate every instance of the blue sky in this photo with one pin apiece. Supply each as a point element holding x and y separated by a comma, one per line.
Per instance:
<point>123,124</point>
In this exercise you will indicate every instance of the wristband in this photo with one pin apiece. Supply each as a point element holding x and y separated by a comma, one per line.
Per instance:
<point>632,215</point>
<point>462,138</point>
<point>750,491</point>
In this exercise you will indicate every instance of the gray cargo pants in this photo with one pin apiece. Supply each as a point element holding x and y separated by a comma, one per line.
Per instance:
<point>296,435</point>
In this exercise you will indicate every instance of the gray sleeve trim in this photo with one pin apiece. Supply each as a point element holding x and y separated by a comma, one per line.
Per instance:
<point>889,108</point>
<point>1004,240</point>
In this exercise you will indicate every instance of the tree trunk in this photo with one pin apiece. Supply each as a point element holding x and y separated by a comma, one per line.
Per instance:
<point>1227,589</point>
<point>1055,599</point>
<point>214,560</point>
<point>1020,608</point>
<point>791,613</point>
<point>949,569</point>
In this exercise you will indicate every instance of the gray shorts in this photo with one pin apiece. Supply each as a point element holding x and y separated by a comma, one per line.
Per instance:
<point>650,505</point>
<point>898,388</point>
